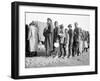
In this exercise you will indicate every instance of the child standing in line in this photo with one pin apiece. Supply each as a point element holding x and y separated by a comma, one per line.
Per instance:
<point>57,50</point>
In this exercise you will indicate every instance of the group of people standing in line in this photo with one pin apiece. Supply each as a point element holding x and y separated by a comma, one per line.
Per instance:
<point>59,41</point>
<point>63,42</point>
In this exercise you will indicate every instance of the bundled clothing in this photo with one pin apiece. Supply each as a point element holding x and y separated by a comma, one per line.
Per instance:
<point>62,43</point>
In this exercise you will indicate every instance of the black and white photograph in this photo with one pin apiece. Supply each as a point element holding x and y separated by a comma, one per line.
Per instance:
<point>54,39</point>
<point>50,40</point>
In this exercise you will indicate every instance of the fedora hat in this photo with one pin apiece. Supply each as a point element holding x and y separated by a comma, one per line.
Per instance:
<point>69,26</point>
<point>61,26</point>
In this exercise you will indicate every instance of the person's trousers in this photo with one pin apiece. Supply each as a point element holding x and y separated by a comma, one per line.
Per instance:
<point>70,49</point>
<point>62,50</point>
<point>76,48</point>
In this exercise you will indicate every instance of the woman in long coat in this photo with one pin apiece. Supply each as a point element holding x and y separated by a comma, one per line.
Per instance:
<point>33,38</point>
<point>48,34</point>
<point>66,41</point>
<point>80,41</point>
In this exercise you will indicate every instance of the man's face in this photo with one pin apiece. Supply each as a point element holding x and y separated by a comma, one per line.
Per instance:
<point>65,30</point>
<point>70,27</point>
<point>76,25</point>
<point>56,24</point>
<point>48,21</point>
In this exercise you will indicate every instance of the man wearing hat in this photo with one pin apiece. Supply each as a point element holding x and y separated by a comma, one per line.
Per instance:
<point>76,40</point>
<point>70,32</point>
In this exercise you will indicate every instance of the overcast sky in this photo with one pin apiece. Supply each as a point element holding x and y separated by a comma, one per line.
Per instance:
<point>82,20</point>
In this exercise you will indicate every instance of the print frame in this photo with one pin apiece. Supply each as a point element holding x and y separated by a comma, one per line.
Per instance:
<point>15,21</point>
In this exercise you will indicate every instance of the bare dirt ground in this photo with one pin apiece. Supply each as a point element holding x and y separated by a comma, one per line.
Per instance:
<point>42,61</point>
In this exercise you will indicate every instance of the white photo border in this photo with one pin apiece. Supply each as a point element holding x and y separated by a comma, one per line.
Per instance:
<point>53,70</point>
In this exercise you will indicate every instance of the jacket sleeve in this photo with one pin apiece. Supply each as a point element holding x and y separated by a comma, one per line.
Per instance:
<point>30,33</point>
<point>44,32</point>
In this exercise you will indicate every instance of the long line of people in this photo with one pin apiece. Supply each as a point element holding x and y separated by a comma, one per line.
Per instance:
<point>62,42</point>
<point>59,41</point>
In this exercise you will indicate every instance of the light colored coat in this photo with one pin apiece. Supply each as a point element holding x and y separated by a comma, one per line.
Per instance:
<point>66,41</point>
<point>33,38</point>
<point>62,35</point>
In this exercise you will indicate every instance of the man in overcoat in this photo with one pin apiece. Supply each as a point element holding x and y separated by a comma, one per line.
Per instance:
<point>48,34</point>
<point>76,40</point>
<point>70,32</point>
